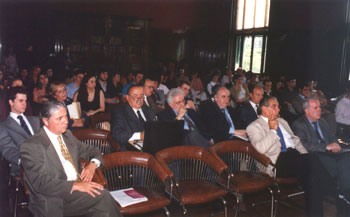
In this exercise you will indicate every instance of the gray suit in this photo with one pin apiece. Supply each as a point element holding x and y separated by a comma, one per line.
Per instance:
<point>336,164</point>
<point>49,191</point>
<point>12,135</point>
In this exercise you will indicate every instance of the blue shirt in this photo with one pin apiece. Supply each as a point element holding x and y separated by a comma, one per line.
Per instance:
<point>126,88</point>
<point>228,118</point>
<point>71,89</point>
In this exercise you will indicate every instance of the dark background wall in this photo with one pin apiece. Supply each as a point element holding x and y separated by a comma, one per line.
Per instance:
<point>306,40</point>
<point>306,37</point>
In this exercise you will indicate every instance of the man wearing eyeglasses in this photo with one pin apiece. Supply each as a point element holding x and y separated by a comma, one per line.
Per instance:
<point>177,110</point>
<point>127,122</point>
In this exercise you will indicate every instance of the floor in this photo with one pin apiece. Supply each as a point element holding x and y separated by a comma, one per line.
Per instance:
<point>294,208</point>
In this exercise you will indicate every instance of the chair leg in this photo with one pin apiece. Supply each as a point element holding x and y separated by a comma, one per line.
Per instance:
<point>167,213</point>
<point>16,199</point>
<point>183,208</point>
<point>225,205</point>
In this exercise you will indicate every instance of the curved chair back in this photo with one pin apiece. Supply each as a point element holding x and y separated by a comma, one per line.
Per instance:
<point>98,138</point>
<point>240,156</point>
<point>195,172</point>
<point>100,121</point>
<point>142,172</point>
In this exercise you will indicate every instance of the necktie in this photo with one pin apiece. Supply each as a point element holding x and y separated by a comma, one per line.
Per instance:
<point>67,156</point>
<point>24,125</point>
<point>140,116</point>
<point>227,118</point>
<point>283,143</point>
<point>191,125</point>
<point>319,138</point>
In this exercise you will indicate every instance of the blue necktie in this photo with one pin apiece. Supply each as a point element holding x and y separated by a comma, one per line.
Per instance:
<point>24,125</point>
<point>319,138</point>
<point>283,143</point>
<point>227,118</point>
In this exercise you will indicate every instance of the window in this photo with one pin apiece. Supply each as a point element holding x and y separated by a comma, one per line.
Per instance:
<point>252,14</point>
<point>252,20</point>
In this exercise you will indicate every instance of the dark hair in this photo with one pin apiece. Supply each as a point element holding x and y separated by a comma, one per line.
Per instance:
<point>50,107</point>
<point>182,82</point>
<point>77,72</point>
<point>236,76</point>
<point>301,85</point>
<point>39,85</point>
<point>82,92</point>
<point>13,91</point>
<point>265,102</point>
<point>266,81</point>
<point>134,86</point>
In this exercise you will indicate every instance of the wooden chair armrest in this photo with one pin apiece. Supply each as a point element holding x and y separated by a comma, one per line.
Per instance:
<point>99,178</point>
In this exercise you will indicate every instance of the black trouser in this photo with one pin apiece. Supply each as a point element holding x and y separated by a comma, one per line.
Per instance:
<point>308,170</point>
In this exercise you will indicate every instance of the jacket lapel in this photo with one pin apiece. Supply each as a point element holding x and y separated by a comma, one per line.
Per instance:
<point>51,152</point>
<point>12,124</point>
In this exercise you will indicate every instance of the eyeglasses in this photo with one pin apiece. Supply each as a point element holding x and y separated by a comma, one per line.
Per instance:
<point>136,97</point>
<point>180,102</point>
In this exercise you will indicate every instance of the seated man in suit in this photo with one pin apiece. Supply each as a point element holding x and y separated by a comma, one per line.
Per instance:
<point>220,118</point>
<point>51,166</point>
<point>178,110</point>
<point>16,128</point>
<point>248,112</point>
<point>317,138</point>
<point>272,136</point>
<point>150,95</point>
<point>127,122</point>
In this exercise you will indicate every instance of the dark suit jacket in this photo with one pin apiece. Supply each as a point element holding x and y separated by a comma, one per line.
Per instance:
<point>247,115</point>
<point>44,173</point>
<point>124,123</point>
<point>216,123</point>
<point>297,104</point>
<point>303,129</point>
<point>169,114</point>
<point>12,136</point>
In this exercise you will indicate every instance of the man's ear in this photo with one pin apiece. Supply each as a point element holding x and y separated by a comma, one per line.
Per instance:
<point>10,102</point>
<point>45,121</point>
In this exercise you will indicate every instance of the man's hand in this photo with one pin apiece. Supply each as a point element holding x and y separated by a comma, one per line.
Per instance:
<point>88,172</point>
<point>241,132</point>
<point>142,135</point>
<point>333,147</point>
<point>181,113</point>
<point>190,105</point>
<point>91,188</point>
<point>273,124</point>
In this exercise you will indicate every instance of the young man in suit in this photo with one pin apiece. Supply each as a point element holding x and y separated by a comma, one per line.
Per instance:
<point>57,185</point>
<point>317,138</point>
<point>127,122</point>
<point>16,128</point>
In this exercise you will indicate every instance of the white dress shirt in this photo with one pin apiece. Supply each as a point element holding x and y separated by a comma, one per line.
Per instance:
<point>342,111</point>
<point>255,106</point>
<point>287,137</point>
<point>14,116</point>
<point>67,166</point>
<point>137,135</point>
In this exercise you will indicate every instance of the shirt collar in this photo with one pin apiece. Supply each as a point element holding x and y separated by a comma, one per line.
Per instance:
<point>14,115</point>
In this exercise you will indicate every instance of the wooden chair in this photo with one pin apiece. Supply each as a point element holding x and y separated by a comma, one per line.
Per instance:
<point>98,138</point>
<point>100,121</point>
<point>142,172</point>
<point>247,168</point>
<point>195,173</point>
